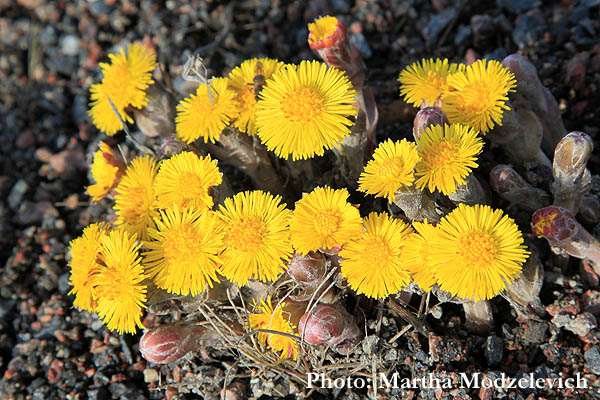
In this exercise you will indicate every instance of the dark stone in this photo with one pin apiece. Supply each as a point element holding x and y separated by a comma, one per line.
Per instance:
<point>528,29</point>
<point>518,6</point>
<point>592,360</point>
<point>437,24</point>
<point>494,348</point>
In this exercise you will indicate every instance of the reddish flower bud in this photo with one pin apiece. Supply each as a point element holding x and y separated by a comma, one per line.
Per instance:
<point>512,187</point>
<point>426,117</point>
<point>167,344</point>
<point>554,223</point>
<point>331,325</point>
<point>307,270</point>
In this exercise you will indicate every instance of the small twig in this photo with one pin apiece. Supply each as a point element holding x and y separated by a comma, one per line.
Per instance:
<point>451,24</point>
<point>409,317</point>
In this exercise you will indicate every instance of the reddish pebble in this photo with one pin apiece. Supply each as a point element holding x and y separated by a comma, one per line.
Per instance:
<point>55,371</point>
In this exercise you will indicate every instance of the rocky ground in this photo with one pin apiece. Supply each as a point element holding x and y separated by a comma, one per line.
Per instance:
<point>49,54</point>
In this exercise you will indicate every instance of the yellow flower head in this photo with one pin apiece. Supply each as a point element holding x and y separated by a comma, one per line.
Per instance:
<point>275,320</point>
<point>477,252</point>
<point>425,80</point>
<point>477,97</point>
<point>448,153</point>
<point>392,167</point>
<point>416,255</point>
<point>257,241</point>
<point>325,32</point>
<point>204,115</point>
<point>323,218</point>
<point>84,264</point>
<point>372,264</point>
<point>247,80</point>
<point>305,109</point>
<point>135,201</point>
<point>124,81</point>
<point>183,256</point>
<point>106,170</point>
<point>185,180</point>
<point>121,294</point>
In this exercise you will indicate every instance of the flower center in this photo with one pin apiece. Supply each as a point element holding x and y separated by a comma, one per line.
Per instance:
<point>544,225</point>
<point>323,27</point>
<point>190,186</point>
<point>473,98</point>
<point>302,105</point>
<point>135,204</point>
<point>247,98</point>
<point>441,154</point>
<point>247,235</point>
<point>117,289</point>
<point>181,244</point>
<point>477,249</point>
<point>390,167</point>
<point>327,223</point>
<point>379,252</point>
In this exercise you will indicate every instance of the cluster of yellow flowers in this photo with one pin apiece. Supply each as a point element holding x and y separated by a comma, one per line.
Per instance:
<point>167,231</point>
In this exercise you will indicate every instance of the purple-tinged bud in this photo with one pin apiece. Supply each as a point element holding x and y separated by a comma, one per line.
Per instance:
<point>512,187</point>
<point>571,178</point>
<point>426,117</point>
<point>308,270</point>
<point>167,344</point>
<point>331,325</point>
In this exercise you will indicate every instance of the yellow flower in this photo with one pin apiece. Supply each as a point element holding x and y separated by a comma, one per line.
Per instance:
<point>323,218</point>
<point>448,153</point>
<point>425,80</point>
<point>416,255</point>
<point>183,256</point>
<point>257,242</point>
<point>106,170</point>
<point>124,81</point>
<point>391,168</point>
<point>204,116</point>
<point>275,320</point>
<point>477,252</point>
<point>84,264</point>
<point>305,109</point>
<point>185,180</point>
<point>325,32</point>
<point>121,294</point>
<point>135,201</point>
<point>477,97</point>
<point>372,264</point>
<point>247,80</point>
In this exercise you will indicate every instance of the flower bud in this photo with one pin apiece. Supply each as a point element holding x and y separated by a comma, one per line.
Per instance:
<point>571,178</point>
<point>331,325</point>
<point>512,187</point>
<point>169,343</point>
<point>171,145</point>
<point>307,270</point>
<point>426,117</point>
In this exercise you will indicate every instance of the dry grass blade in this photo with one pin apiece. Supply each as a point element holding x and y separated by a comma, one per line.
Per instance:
<point>406,315</point>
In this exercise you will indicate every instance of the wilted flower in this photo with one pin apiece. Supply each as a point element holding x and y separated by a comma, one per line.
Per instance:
<point>323,218</point>
<point>121,294</point>
<point>448,153</point>
<point>275,320</point>
<point>185,180</point>
<point>204,115</point>
<point>392,167</point>
<point>372,263</point>
<point>304,110</point>
<point>477,97</point>
<point>477,252</point>
<point>124,81</point>
<point>256,227</point>
<point>135,201</point>
<point>106,170</point>
<point>183,256</point>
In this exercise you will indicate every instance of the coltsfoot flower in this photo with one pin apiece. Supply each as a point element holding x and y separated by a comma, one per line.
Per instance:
<point>247,81</point>
<point>256,226</point>
<point>84,264</point>
<point>106,170</point>
<point>183,255</point>
<point>185,180</point>
<point>416,254</point>
<point>304,110</point>
<point>392,167</point>
<point>424,81</point>
<point>275,320</point>
<point>448,153</point>
<point>121,293</point>
<point>477,252</point>
<point>135,200</point>
<point>124,81</point>
<point>204,115</point>
<point>323,218</point>
<point>477,96</point>
<point>372,264</point>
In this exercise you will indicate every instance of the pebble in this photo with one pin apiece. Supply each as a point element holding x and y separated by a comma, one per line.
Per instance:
<point>494,348</point>
<point>15,197</point>
<point>437,24</point>
<point>369,344</point>
<point>528,29</point>
<point>69,45</point>
<point>150,375</point>
<point>6,306</point>
<point>518,6</point>
<point>361,44</point>
<point>592,360</point>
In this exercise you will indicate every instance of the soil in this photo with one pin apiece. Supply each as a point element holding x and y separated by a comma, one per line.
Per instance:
<point>49,55</point>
